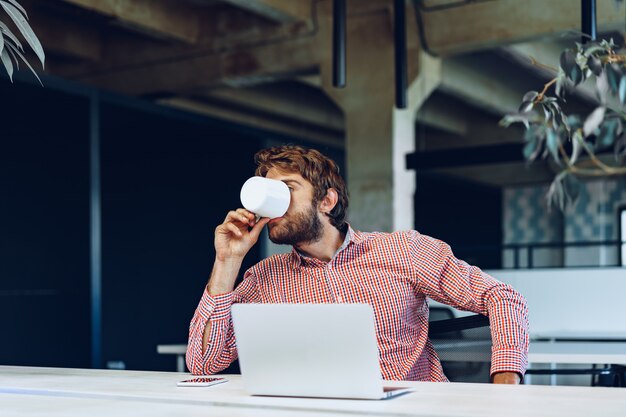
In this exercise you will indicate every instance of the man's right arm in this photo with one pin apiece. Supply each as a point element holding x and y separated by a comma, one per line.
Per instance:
<point>211,345</point>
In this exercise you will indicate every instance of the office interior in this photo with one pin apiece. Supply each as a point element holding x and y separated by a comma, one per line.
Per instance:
<point>117,167</point>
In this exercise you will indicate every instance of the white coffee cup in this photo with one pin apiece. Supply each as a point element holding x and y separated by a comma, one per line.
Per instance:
<point>265,197</point>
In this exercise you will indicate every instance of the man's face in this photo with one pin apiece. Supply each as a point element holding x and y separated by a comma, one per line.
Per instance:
<point>301,223</point>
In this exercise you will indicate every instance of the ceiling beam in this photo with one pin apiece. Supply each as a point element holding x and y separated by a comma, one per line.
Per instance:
<point>67,37</point>
<point>186,74</point>
<point>165,19</point>
<point>481,25</point>
<point>480,87</point>
<point>325,137</point>
<point>282,11</point>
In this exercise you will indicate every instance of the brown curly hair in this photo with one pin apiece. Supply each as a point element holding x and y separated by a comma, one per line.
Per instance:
<point>315,167</point>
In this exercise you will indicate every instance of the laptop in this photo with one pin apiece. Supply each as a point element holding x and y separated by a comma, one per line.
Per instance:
<point>309,350</point>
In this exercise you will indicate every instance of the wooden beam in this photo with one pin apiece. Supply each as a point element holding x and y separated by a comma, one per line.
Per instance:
<point>163,18</point>
<point>481,25</point>
<point>324,137</point>
<point>239,67</point>
<point>282,11</point>
<point>67,37</point>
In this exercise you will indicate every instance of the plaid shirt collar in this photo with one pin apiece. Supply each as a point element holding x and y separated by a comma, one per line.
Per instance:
<point>352,237</point>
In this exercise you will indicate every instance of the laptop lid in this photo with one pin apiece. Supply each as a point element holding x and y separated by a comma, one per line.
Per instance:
<point>308,350</point>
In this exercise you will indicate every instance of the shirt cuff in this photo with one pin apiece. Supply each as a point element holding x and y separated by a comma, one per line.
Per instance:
<point>215,307</point>
<point>509,360</point>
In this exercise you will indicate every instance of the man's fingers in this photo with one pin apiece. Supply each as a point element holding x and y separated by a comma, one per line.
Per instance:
<point>256,230</point>
<point>234,229</point>
<point>240,215</point>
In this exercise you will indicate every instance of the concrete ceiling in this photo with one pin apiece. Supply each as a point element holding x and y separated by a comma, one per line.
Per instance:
<point>257,62</point>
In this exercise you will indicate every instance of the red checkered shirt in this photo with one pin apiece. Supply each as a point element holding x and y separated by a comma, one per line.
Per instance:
<point>393,272</point>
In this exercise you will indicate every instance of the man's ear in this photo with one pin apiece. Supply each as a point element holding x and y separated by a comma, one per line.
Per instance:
<point>329,201</point>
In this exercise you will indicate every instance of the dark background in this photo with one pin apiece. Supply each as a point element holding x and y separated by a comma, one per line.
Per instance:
<point>168,179</point>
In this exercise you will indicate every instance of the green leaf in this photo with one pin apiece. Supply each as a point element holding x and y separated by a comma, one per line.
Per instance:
<point>613,76</point>
<point>24,28</point>
<point>568,62</point>
<point>7,32</point>
<point>530,96</point>
<point>595,65</point>
<point>576,75</point>
<point>16,51</point>
<point>622,90</point>
<point>574,122</point>
<point>593,121</point>
<point>526,106</point>
<point>571,187</point>
<point>8,65</point>
<point>607,134</point>
<point>552,142</point>
<point>577,146</point>
<point>620,149</point>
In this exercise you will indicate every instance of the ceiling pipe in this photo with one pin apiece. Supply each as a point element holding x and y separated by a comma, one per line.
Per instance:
<point>399,29</point>
<point>339,43</point>
<point>588,20</point>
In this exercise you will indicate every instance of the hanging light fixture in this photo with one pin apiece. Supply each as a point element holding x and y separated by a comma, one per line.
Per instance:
<point>339,43</point>
<point>588,20</point>
<point>399,29</point>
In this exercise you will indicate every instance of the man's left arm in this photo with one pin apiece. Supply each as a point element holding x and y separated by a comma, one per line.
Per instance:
<point>444,278</point>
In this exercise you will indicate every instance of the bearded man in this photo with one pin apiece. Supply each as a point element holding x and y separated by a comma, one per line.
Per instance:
<point>332,263</point>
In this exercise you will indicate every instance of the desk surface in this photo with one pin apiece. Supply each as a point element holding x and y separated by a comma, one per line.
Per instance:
<point>74,392</point>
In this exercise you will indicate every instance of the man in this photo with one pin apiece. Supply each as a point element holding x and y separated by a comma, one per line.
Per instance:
<point>332,263</point>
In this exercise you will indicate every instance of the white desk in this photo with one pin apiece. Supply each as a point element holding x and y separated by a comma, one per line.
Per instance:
<point>80,392</point>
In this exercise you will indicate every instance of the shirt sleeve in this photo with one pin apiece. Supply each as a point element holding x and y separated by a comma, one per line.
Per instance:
<point>221,349</point>
<point>444,278</point>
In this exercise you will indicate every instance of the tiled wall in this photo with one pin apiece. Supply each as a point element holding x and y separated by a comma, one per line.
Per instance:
<point>592,218</point>
<point>527,219</point>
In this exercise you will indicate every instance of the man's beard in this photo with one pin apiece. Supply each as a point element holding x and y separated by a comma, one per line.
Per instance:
<point>303,227</point>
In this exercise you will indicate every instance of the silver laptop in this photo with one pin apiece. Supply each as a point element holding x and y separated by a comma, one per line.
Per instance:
<point>309,350</point>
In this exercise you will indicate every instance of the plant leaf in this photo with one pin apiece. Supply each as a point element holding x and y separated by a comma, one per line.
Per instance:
<point>622,89</point>
<point>620,149</point>
<point>568,62</point>
<point>571,187</point>
<point>613,76</point>
<point>602,87</point>
<point>552,142</point>
<point>8,65</point>
<point>607,134</point>
<point>530,96</point>
<point>7,32</point>
<point>593,120</point>
<point>595,65</point>
<point>526,106</point>
<point>16,51</point>
<point>1,42</point>
<point>577,139</point>
<point>24,28</point>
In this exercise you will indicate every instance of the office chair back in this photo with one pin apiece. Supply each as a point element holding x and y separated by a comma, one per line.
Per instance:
<point>463,345</point>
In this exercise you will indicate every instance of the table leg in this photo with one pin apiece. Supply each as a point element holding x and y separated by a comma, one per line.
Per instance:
<point>180,363</point>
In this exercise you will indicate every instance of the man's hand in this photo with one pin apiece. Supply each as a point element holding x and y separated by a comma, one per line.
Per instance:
<point>506,378</point>
<point>237,234</point>
<point>233,239</point>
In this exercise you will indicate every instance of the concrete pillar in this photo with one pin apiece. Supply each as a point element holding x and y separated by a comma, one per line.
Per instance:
<point>378,136</point>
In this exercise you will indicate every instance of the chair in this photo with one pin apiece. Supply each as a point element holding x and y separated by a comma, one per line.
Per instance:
<point>607,376</point>
<point>463,344</point>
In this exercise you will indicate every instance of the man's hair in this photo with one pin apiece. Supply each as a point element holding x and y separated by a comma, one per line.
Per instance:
<point>315,167</point>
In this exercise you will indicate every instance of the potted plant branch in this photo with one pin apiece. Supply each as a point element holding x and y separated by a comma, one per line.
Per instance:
<point>11,49</point>
<point>573,141</point>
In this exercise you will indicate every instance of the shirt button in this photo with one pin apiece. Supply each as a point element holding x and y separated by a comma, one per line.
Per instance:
<point>339,299</point>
